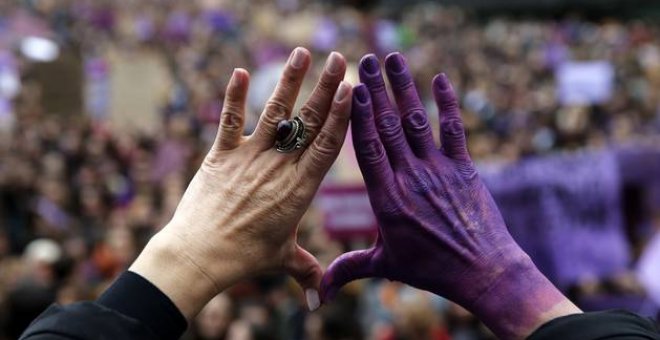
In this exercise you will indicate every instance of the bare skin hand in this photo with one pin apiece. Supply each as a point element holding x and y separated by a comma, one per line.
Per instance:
<point>239,215</point>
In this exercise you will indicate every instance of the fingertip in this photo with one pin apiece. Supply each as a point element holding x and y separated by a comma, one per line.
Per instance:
<point>441,82</point>
<point>241,72</point>
<point>240,77</point>
<point>300,58</point>
<point>361,94</point>
<point>313,299</point>
<point>335,64</point>
<point>395,63</point>
<point>343,91</point>
<point>337,54</point>
<point>369,65</point>
<point>445,96</point>
<point>303,50</point>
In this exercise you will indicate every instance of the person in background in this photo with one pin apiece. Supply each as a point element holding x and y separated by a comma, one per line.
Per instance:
<point>36,286</point>
<point>439,228</point>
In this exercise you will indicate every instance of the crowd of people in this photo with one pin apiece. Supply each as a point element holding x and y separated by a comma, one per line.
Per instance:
<point>84,184</point>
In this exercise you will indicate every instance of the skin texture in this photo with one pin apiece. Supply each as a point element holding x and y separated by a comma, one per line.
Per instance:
<point>439,228</point>
<point>239,216</point>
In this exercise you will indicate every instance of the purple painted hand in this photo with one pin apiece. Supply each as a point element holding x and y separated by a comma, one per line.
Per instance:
<point>440,229</point>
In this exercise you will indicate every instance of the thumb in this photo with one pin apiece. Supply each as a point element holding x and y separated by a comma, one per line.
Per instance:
<point>349,266</point>
<point>306,270</point>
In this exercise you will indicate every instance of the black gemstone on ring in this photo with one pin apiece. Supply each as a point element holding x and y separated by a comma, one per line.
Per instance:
<point>290,135</point>
<point>284,129</point>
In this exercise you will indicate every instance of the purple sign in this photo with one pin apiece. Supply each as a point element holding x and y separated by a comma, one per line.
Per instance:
<point>585,82</point>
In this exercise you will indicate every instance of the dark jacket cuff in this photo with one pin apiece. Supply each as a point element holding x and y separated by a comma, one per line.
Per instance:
<point>135,297</point>
<point>612,324</point>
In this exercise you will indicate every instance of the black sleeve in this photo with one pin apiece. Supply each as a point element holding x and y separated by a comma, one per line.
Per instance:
<point>612,324</point>
<point>132,308</point>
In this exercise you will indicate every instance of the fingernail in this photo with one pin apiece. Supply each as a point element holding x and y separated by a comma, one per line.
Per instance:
<point>442,82</point>
<point>298,58</point>
<point>313,300</point>
<point>236,78</point>
<point>370,64</point>
<point>395,63</point>
<point>361,94</point>
<point>334,63</point>
<point>342,91</point>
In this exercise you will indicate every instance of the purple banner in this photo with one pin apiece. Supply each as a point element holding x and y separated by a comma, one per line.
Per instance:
<point>564,210</point>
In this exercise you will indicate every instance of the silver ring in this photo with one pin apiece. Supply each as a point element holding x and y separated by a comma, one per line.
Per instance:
<point>295,139</point>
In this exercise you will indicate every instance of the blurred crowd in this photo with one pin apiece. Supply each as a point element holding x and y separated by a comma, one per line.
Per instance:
<point>94,160</point>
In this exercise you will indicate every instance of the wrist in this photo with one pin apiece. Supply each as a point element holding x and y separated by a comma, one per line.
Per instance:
<point>176,270</point>
<point>519,300</point>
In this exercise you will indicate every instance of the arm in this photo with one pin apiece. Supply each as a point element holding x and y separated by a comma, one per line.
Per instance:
<point>239,216</point>
<point>440,229</point>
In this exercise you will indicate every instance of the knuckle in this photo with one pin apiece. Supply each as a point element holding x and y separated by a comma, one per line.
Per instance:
<point>467,170</point>
<point>326,144</point>
<point>416,122</point>
<point>277,107</point>
<point>311,117</point>
<point>389,124</point>
<point>274,112</point>
<point>376,85</point>
<point>269,120</point>
<point>453,128</point>
<point>231,120</point>
<point>371,151</point>
<point>213,160</point>
<point>449,104</point>
<point>329,140</point>
<point>418,180</point>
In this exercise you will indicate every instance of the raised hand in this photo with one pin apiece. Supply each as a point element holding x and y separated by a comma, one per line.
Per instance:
<point>440,229</point>
<point>239,215</point>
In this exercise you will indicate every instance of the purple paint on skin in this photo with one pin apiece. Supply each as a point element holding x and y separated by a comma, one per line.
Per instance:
<point>440,229</point>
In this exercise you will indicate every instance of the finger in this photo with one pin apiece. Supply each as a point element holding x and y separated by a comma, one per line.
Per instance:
<point>323,151</point>
<point>232,117</point>
<point>388,122</point>
<point>415,122</point>
<point>305,269</point>
<point>452,132</point>
<point>281,103</point>
<point>315,111</point>
<point>369,151</point>
<point>348,267</point>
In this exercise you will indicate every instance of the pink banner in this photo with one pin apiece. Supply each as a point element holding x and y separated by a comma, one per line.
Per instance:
<point>346,211</point>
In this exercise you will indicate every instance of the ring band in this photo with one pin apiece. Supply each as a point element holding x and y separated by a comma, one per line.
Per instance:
<point>294,139</point>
